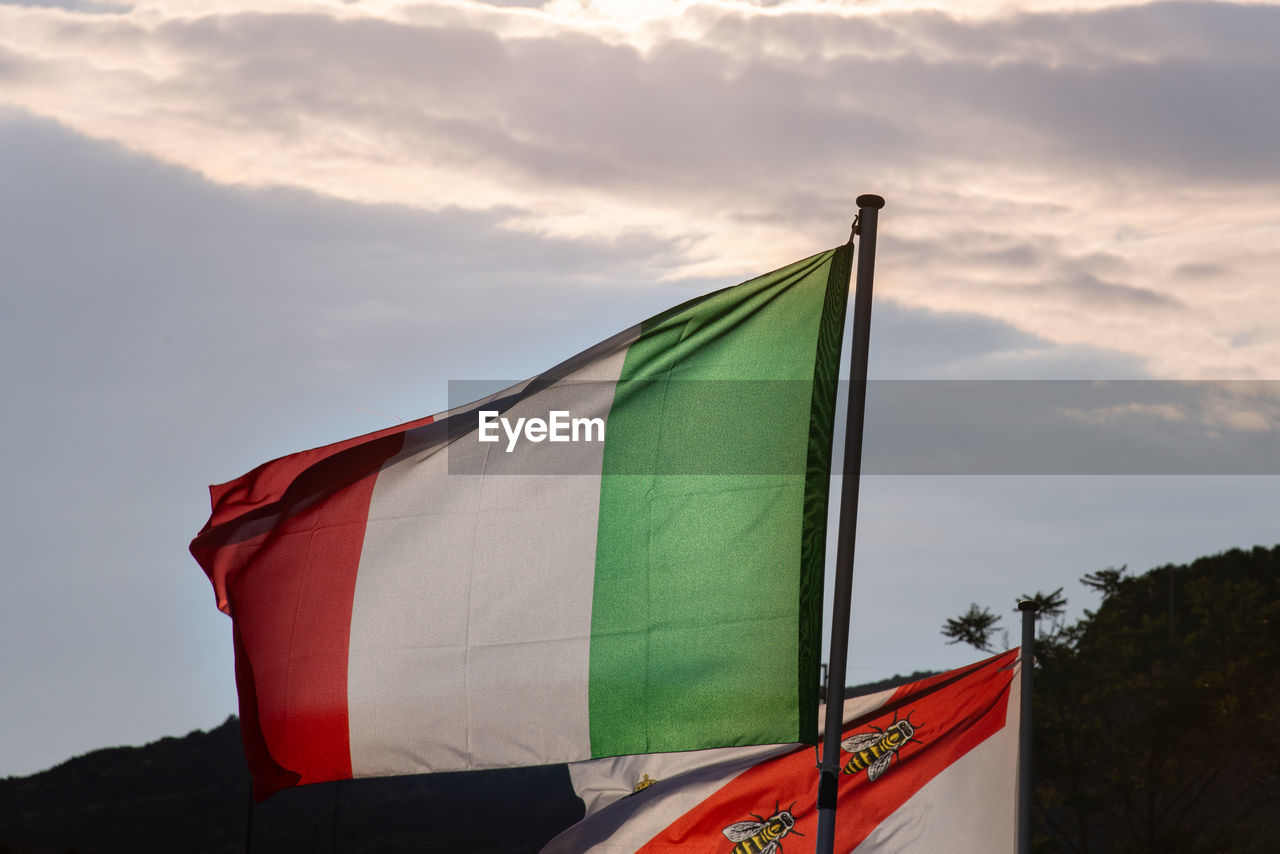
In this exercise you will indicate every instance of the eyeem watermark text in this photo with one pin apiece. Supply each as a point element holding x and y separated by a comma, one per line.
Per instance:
<point>558,427</point>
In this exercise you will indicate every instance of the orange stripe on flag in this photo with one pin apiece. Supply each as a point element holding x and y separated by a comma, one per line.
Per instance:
<point>950,714</point>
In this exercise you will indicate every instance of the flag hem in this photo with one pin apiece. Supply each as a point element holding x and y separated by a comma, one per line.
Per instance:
<point>813,542</point>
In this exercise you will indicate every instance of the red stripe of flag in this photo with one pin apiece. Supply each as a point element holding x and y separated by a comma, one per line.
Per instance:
<point>282,549</point>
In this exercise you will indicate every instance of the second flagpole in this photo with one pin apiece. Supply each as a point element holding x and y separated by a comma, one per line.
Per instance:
<point>828,777</point>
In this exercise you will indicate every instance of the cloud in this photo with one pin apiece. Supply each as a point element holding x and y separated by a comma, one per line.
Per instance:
<point>1071,428</point>
<point>1200,271</point>
<point>1111,295</point>
<point>91,7</point>
<point>1042,168</point>
<point>1109,414</point>
<point>568,110</point>
<point>919,344</point>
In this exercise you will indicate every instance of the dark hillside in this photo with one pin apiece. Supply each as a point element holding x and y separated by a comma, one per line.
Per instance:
<point>191,795</point>
<point>1156,732</point>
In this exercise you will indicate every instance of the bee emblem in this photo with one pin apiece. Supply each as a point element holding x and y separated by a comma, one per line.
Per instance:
<point>874,751</point>
<point>764,835</point>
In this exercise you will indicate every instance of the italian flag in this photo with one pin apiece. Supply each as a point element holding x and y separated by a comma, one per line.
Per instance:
<point>426,598</point>
<point>947,781</point>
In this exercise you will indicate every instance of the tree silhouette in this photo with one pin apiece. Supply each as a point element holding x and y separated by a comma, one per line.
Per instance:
<point>973,627</point>
<point>1156,726</point>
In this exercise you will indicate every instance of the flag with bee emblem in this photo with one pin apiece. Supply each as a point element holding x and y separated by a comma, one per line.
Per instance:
<point>496,587</point>
<point>929,766</point>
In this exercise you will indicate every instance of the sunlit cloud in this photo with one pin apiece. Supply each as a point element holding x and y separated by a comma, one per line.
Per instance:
<point>1097,174</point>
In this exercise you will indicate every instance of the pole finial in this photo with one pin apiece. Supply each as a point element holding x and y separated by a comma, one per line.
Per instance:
<point>870,200</point>
<point>1028,605</point>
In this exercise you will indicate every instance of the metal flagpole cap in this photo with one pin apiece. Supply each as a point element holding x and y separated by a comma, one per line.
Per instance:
<point>870,200</point>
<point>1027,605</point>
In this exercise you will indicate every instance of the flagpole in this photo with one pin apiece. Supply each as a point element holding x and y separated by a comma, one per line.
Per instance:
<point>1028,609</point>
<point>868,214</point>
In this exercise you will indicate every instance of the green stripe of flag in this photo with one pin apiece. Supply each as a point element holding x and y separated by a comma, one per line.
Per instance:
<point>709,559</point>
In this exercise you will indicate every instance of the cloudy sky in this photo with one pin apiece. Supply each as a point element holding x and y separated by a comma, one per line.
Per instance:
<point>232,230</point>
